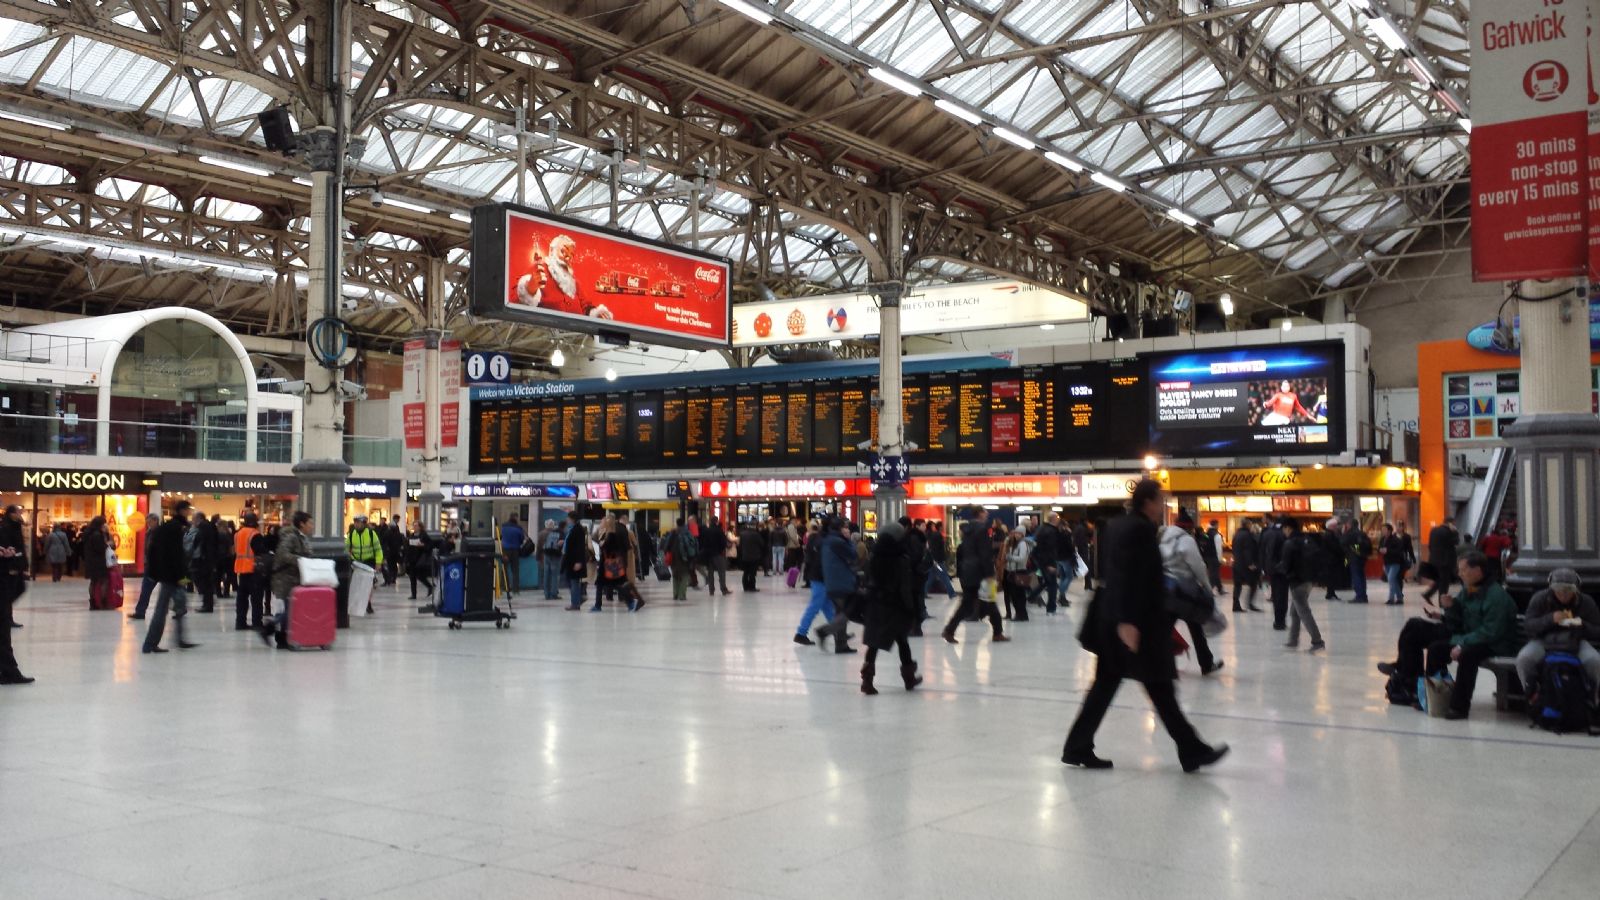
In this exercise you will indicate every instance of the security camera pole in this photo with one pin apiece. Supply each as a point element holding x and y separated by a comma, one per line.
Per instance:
<point>322,469</point>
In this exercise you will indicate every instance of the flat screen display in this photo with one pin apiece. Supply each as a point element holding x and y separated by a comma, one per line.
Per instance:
<point>1247,400</point>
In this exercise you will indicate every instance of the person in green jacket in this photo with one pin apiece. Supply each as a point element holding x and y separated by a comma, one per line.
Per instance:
<point>1478,623</point>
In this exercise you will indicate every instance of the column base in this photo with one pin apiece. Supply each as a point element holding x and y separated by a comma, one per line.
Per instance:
<point>1555,508</point>
<point>891,503</point>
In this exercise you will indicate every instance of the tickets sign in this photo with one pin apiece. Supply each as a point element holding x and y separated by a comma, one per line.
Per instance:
<point>1529,145</point>
<point>543,269</point>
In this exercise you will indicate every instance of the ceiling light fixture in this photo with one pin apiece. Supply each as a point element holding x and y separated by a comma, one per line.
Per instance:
<point>959,111</point>
<point>611,374</point>
<point>750,11</point>
<point>32,120</point>
<point>1107,181</point>
<point>895,80</point>
<point>1386,32</point>
<point>1012,137</point>
<point>236,166</point>
<point>1288,325</point>
<point>1226,300</point>
<point>1064,161</point>
<point>414,207</point>
<point>1465,123</point>
<point>461,217</point>
<point>1048,326</point>
<point>557,358</point>
<point>1181,217</point>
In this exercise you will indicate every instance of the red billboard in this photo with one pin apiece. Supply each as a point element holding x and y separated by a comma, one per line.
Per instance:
<point>543,269</point>
<point>1530,108</point>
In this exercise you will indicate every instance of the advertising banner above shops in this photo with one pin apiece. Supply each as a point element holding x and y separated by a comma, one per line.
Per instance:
<point>763,488</point>
<point>1529,145</point>
<point>199,483</point>
<point>543,269</point>
<point>1282,479</point>
<point>941,309</point>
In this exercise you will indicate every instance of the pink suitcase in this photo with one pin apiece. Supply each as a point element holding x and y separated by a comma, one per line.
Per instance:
<point>313,617</point>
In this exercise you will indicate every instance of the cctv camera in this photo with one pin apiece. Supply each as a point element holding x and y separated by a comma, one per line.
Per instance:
<point>349,304</point>
<point>572,473</point>
<point>292,387</point>
<point>377,198</point>
<point>864,445</point>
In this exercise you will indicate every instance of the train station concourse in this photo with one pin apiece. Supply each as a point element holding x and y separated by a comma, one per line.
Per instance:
<point>692,449</point>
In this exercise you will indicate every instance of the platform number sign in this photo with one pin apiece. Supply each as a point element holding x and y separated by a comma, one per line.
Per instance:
<point>488,368</point>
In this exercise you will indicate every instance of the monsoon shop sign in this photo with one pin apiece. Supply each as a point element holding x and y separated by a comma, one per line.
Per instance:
<point>73,480</point>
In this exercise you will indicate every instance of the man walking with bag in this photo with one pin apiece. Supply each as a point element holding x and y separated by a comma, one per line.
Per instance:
<point>167,565</point>
<point>1130,631</point>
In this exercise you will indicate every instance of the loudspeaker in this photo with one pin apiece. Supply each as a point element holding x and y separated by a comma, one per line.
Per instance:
<point>276,129</point>
<point>1208,318</point>
<point>1161,326</point>
<point>1118,325</point>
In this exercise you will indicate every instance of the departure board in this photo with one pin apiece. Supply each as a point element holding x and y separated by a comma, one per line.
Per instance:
<point>774,419</point>
<point>1039,414</point>
<point>697,444</point>
<point>594,426</point>
<point>972,414</point>
<point>914,411</point>
<point>941,416</point>
<point>855,416</point>
<point>571,445</point>
<point>1090,411</point>
<point>746,425</point>
<point>549,431</point>
<point>644,426</point>
<point>826,422</point>
<point>614,440</point>
<point>1005,416</point>
<point>674,418</point>
<point>799,424</point>
<point>528,423</point>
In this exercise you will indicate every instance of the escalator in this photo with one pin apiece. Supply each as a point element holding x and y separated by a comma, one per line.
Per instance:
<point>1493,500</point>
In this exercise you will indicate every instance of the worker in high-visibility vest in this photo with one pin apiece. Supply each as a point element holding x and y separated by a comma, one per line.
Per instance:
<point>366,547</point>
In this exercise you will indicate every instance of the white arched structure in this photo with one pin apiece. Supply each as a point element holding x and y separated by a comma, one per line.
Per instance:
<point>96,343</point>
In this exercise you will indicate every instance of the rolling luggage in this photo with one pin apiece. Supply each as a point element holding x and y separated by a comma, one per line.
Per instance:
<point>312,617</point>
<point>662,572</point>
<point>794,576</point>
<point>114,588</point>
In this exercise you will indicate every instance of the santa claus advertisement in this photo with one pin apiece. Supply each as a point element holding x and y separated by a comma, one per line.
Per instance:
<point>580,278</point>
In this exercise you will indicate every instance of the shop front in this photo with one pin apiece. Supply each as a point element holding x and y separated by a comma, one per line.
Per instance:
<point>482,505</point>
<point>376,498</point>
<point>1368,495</point>
<point>270,497</point>
<point>651,506</point>
<point>1014,498</point>
<point>785,499</point>
<point>69,497</point>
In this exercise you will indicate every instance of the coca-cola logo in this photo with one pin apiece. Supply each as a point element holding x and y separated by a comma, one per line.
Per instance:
<point>708,274</point>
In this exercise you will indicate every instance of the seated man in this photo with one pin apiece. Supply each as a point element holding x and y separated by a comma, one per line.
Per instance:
<point>1479,623</point>
<point>1560,620</point>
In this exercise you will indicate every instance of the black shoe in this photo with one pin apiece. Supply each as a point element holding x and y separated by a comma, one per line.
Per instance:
<point>1454,715</point>
<point>137,617</point>
<point>1388,668</point>
<point>155,650</point>
<point>206,609</point>
<point>186,645</point>
<point>240,626</point>
<point>1292,645</point>
<point>1278,627</point>
<point>1209,757</point>
<point>1212,669</point>
<point>949,637</point>
<point>803,640</point>
<point>16,624</point>
<point>1085,760</point>
<point>840,646</point>
<point>1255,608</point>
<point>18,678</point>
<point>267,631</point>
<point>1353,602</point>
<point>1238,608</point>
<point>1317,645</point>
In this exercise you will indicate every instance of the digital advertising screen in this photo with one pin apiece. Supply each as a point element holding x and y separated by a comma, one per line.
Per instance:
<point>1278,399</point>
<point>543,269</point>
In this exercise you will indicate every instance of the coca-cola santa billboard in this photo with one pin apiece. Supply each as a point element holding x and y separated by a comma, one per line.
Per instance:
<point>543,269</point>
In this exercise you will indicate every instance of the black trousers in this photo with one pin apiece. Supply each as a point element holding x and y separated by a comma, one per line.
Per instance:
<point>10,590</point>
<point>1202,648</point>
<point>905,653</point>
<point>420,573</point>
<point>248,599</point>
<point>1280,601</point>
<point>748,582</point>
<point>1163,696</point>
<point>205,582</point>
<point>969,604</point>
<point>1242,580</point>
<point>1415,639</point>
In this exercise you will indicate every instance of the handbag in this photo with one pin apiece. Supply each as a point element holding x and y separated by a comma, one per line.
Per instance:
<point>111,558</point>
<point>1088,632</point>
<point>1435,694</point>
<point>1188,603</point>
<point>316,572</point>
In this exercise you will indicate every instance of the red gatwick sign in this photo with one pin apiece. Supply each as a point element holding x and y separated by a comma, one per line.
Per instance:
<point>1530,101</point>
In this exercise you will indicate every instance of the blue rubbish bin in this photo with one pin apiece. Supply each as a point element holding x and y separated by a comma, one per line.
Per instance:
<point>528,568</point>
<point>452,586</point>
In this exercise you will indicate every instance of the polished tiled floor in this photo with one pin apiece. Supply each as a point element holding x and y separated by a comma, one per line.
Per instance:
<point>695,752</point>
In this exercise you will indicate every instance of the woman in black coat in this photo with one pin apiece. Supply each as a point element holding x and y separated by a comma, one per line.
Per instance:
<point>1130,632</point>
<point>892,609</point>
<point>96,540</point>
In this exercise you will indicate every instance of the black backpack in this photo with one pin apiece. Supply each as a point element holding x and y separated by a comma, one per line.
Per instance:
<point>1561,703</point>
